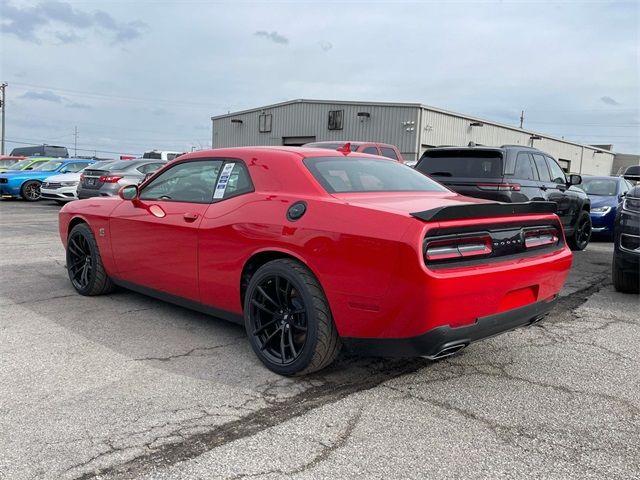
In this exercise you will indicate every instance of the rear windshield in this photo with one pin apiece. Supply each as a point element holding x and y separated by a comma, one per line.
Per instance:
<point>346,175</point>
<point>606,187</point>
<point>465,164</point>
<point>153,155</point>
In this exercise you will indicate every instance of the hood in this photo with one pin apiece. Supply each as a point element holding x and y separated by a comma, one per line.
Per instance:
<point>407,202</point>
<point>603,201</point>
<point>65,177</point>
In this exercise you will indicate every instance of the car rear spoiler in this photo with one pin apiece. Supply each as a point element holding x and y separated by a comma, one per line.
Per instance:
<point>480,210</point>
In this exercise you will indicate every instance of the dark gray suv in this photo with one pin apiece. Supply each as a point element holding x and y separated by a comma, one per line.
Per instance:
<point>107,180</point>
<point>513,174</point>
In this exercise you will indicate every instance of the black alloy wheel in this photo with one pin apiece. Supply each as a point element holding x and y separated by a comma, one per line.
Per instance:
<point>84,264</point>
<point>30,191</point>
<point>582,234</point>
<point>288,320</point>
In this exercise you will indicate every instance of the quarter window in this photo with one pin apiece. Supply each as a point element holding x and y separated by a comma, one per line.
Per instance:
<point>234,180</point>
<point>186,182</point>
<point>335,119</point>
<point>557,175</point>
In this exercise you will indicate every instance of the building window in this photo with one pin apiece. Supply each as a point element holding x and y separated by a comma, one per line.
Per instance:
<point>335,119</point>
<point>264,123</point>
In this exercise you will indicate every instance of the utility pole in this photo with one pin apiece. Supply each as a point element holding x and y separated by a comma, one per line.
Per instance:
<point>2,102</point>
<point>75,142</point>
<point>521,118</point>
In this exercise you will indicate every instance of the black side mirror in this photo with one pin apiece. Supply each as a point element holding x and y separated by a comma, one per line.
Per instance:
<point>575,179</point>
<point>29,168</point>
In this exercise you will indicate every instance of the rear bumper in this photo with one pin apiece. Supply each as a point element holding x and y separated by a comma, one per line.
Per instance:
<point>445,337</point>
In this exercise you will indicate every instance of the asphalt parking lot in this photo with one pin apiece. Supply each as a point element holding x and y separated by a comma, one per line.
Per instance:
<point>124,386</point>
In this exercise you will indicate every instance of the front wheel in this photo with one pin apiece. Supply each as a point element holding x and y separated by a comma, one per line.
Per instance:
<point>581,233</point>
<point>288,319</point>
<point>30,191</point>
<point>626,282</point>
<point>84,265</point>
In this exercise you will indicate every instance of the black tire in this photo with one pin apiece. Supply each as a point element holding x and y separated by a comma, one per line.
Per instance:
<point>30,191</point>
<point>626,282</point>
<point>288,319</point>
<point>60,202</point>
<point>84,265</point>
<point>581,233</point>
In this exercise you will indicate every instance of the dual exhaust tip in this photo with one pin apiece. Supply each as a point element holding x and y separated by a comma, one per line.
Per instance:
<point>450,350</point>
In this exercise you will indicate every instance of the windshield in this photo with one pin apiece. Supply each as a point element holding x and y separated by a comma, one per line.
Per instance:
<point>606,187</point>
<point>21,164</point>
<point>47,166</point>
<point>7,163</point>
<point>465,164</point>
<point>346,175</point>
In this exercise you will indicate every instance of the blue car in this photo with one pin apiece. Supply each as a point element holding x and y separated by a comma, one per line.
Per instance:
<point>605,194</point>
<point>26,183</point>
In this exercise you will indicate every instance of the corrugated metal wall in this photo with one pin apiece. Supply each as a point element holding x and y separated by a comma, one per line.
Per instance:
<point>445,129</point>
<point>386,124</point>
<point>390,123</point>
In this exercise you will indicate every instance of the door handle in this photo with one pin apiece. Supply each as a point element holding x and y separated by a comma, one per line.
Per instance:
<point>543,188</point>
<point>190,217</point>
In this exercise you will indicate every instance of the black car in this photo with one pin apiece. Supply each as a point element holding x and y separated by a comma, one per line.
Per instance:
<point>513,174</point>
<point>41,151</point>
<point>626,246</point>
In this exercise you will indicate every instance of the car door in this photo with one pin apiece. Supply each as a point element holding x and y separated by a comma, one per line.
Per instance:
<point>525,175</point>
<point>155,238</point>
<point>567,201</point>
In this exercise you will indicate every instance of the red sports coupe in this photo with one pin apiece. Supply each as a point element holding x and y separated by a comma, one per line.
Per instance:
<point>311,249</point>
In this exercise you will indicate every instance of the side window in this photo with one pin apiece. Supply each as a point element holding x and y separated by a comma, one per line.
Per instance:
<point>234,180</point>
<point>389,153</point>
<point>557,174</point>
<point>74,167</point>
<point>186,182</point>
<point>541,165</point>
<point>371,150</point>
<point>149,167</point>
<point>523,169</point>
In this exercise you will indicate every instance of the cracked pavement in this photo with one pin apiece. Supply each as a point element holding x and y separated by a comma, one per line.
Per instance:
<point>124,386</point>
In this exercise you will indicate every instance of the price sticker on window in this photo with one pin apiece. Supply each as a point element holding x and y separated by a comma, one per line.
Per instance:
<point>223,181</point>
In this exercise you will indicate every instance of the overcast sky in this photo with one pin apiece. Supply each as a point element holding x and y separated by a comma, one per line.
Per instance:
<point>136,75</point>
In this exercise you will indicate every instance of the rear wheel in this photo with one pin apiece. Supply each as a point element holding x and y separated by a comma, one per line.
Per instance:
<point>30,191</point>
<point>84,264</point>
<point>288,319</point>
<point>581,233</point>
<point>627,282</point>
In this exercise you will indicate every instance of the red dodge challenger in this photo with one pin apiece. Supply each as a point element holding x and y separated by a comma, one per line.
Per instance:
<point>311,249</point>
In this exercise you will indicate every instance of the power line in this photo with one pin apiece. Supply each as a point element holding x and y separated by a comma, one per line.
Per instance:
<point>37,142</point>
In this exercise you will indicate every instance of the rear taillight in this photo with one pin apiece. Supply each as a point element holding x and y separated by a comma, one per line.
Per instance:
<point>541,237</point>
<point>109,179</point>
<point>509,187</point>
<point>458,247</point>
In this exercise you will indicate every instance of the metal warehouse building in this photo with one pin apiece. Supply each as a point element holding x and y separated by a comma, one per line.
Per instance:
<point>412,127</point>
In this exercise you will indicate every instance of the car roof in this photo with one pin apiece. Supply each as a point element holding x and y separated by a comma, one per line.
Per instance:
<point>612,177</point>
<point>301,152</point>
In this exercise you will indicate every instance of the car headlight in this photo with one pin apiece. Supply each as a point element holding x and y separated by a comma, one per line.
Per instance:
<point>631,204</point>
<point>69,184</point>
<point>602,210</point>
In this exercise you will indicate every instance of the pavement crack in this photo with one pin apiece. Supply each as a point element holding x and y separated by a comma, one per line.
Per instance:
<point>191,353</point>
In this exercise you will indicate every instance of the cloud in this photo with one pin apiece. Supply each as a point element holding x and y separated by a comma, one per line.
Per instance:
<point>81,106</point>
<point>275,37</point>
<point>44,95</point>
<point>27,22</point>
<point>608,100</point>
<point>325,46</point>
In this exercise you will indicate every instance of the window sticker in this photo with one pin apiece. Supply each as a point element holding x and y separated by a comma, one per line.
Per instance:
<point>223,181</point>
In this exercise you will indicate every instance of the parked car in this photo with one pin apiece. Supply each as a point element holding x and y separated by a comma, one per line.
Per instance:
<point>165,155</point>
<point>25,164</point>
<point>64,187</point>
<point>348,249</point>
<point>25,184</point>
<point>41,151</point>
<point>626,253</point>
<point>605,194</point>
<point>632,173</point>
<point>513,174</point>
<point>7,160</point>
<point>106,180</point>
<point>372,148</point>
